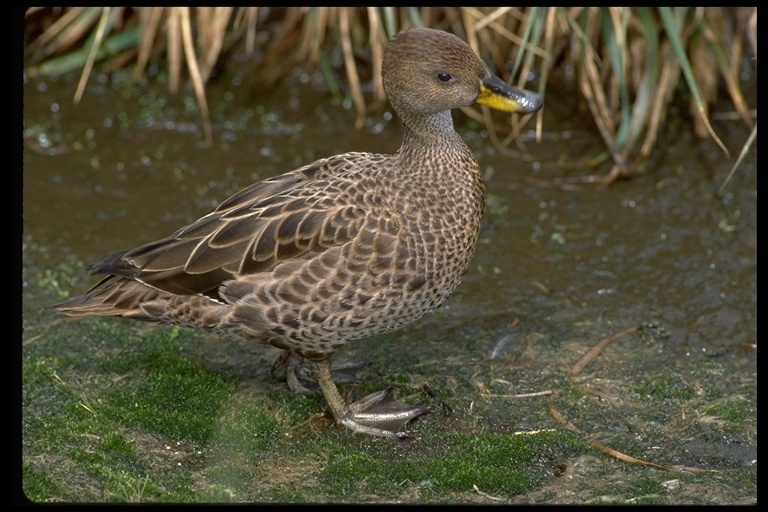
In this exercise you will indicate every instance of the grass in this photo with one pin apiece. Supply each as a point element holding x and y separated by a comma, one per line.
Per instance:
<point>115,412</point>
<point>139,424</point>
<point>626,64</point>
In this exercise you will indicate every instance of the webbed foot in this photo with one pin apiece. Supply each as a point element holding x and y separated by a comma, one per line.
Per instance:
<point>377,414</point>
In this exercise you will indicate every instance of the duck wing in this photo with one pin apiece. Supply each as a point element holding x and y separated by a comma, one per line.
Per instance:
<point>291,216</point>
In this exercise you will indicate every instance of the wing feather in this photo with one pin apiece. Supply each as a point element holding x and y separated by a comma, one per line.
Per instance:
<point>287,217</point>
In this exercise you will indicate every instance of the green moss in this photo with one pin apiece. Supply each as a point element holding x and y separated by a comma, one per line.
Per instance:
<point>232,475</point>
<point>355,472</point>
<point>39,486</point>
<point>174,397</point>
<point>116,447</point>
<point>647,490</point>
<point>247,431</point>
<point>123,487</point>
<point>287,495</point>
<point>665,387</point>
<point>731,411</point>
<point>458,474</point>
<point>498,464</point>
<point>215,494</point>
<point>114,411</point>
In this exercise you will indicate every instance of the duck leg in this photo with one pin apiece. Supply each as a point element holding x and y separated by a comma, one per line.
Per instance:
<point>377,414</point>
<point>299,376</point>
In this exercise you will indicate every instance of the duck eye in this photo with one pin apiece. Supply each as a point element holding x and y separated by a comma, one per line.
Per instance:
<point>444,77</point>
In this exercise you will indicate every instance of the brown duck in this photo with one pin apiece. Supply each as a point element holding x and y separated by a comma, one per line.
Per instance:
<point>346,247</point>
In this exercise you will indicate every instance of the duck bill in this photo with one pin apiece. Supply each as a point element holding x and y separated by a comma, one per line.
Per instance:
<point>499,95</point>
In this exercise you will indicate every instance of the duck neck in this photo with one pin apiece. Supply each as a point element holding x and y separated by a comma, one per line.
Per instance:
<point>433,153</point>
<point>428,132</point>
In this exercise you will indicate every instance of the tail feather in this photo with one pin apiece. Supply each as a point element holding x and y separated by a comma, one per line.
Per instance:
<point>109,297</point>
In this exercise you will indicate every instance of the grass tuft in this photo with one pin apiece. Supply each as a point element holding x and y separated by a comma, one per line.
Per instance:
<point>628,64</point>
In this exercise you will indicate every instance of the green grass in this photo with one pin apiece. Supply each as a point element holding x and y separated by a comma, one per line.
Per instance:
<point>665,387</point>
<point>498,464</point>
<point>729,410</point>
<point>162,391</point>
<point>115,411</point>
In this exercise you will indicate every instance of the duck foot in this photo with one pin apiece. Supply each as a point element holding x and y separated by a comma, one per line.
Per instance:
<point>377,414</point>
<point>380,414</point>
<point>298,375</point>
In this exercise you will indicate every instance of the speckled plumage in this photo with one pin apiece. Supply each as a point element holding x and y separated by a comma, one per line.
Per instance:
<point>344,248</point>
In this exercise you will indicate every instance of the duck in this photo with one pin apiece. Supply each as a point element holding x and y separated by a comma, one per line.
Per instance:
<point>344,248</point>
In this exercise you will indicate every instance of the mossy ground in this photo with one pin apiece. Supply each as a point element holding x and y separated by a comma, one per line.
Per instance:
<point>117,411</point>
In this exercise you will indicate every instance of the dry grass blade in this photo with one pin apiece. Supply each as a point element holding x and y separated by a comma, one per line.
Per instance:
<point>99,37</point>
<point>744,149</point>
<point>591,85</point>
<point>64,31</point>
<point>673,32</point>
<point>313,35</point>
<point>378,40</point>
<point>212,30</point>
<point>194,71</point>
<point>628,458</point>
<point>475,29</point>
<point>349,65</point>
<point>252,16</point>
<point>562,420</point>
<point>150,22</point>
<point>728,70</point>
<point>617,454</point>
<point>485,494</point>
<point>280,52</point>
<point>534,26</point>
<point>477,21</point>
<point>591,89</point>
<point>670,73</point>
<point>173,36</point>
<point>645,72</point>
<point>546,65</point>
<point>579,38</point>
<point>497,38</point>
<point>595,350</point>
<point>518,395</point>
<point>488,18</point>
<point>703,65</point>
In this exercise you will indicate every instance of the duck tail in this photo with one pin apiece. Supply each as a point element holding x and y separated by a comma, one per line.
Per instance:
<point>112,296</point>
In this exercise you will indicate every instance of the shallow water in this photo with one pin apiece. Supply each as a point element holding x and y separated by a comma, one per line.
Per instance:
<point>124,168</point>
<point>575,262</point>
